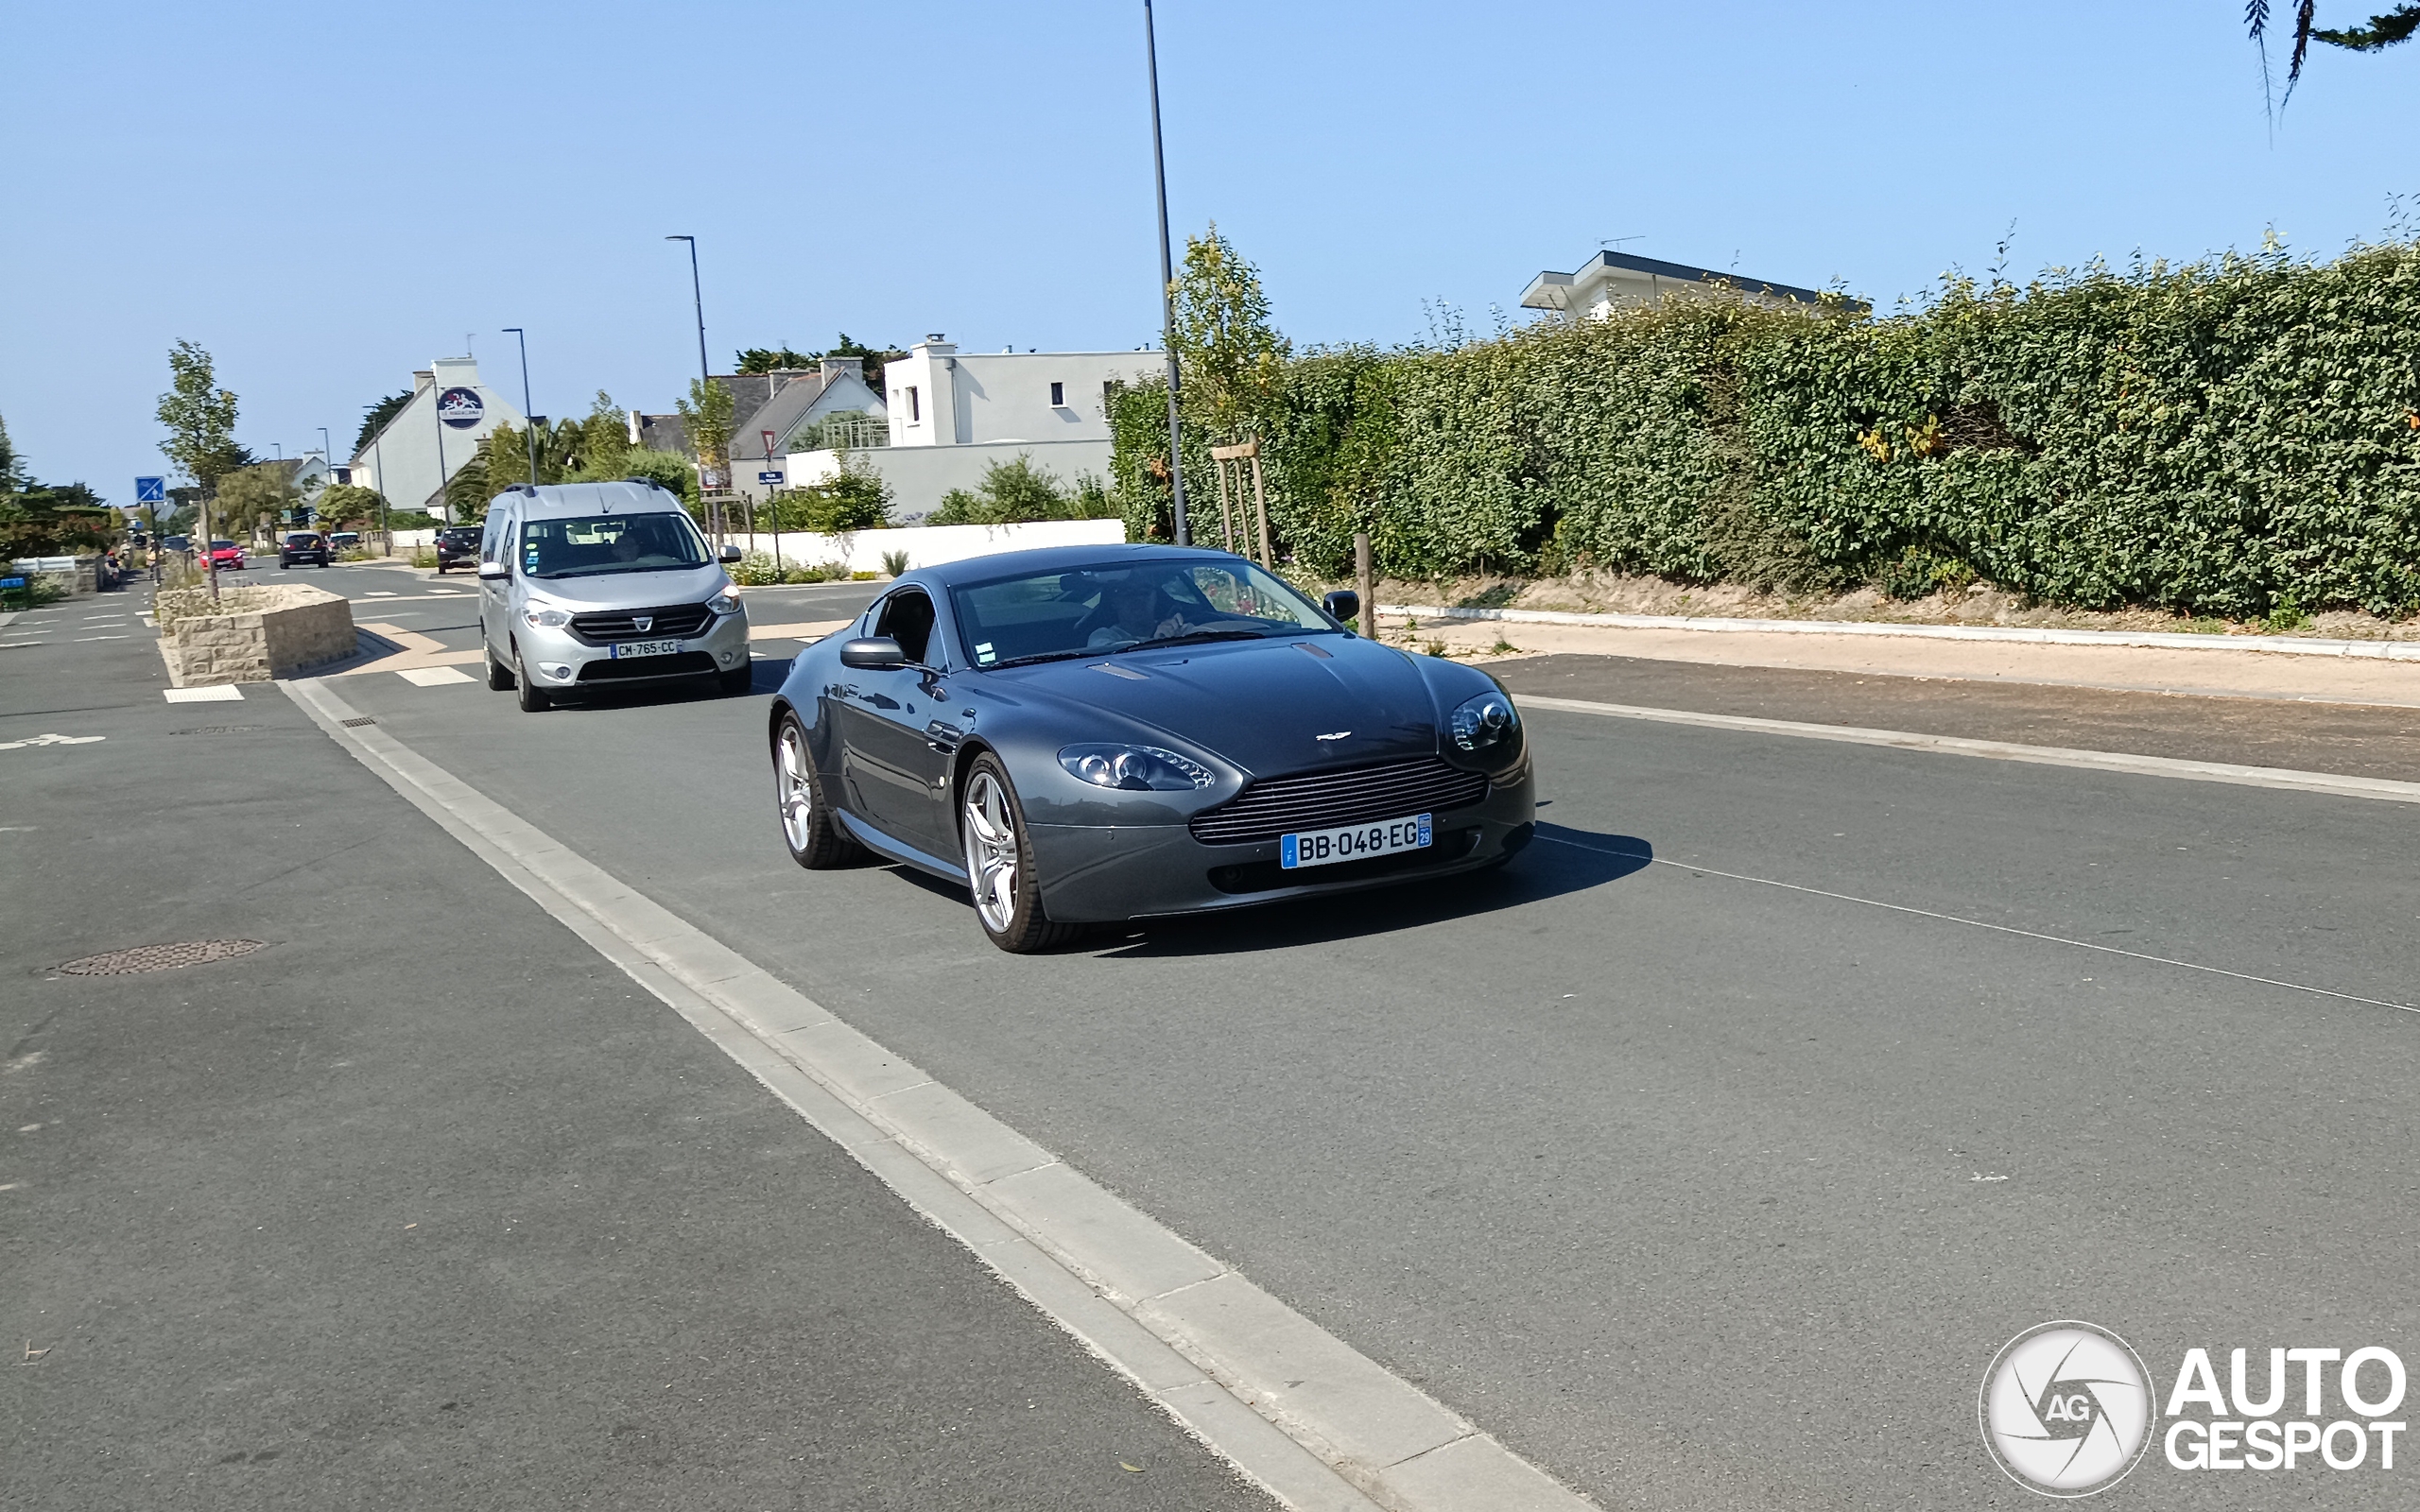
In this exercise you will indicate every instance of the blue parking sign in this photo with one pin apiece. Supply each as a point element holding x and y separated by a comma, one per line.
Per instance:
<point>150,491</point>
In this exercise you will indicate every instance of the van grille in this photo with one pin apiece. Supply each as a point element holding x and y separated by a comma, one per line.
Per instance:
<point>678,622</point>
<point>1324,800</point>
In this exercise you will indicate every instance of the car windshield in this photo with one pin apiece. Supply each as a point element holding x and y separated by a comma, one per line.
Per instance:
<point>222,545</point>
<point>1129,605</point>
<point>653,541</point>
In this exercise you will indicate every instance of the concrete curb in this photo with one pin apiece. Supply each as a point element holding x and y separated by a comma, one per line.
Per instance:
<point>2161,640</point>
<point>2331,783</point>
<point>1311,1420</point>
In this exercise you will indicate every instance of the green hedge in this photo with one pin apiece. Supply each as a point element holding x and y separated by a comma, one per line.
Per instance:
<point>2229,438</point>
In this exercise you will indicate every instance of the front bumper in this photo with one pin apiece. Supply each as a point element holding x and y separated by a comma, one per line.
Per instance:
<point>1099,874</point>
<point>558,658</point>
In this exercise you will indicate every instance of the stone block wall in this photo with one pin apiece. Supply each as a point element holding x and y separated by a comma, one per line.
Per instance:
<point>275,632</point>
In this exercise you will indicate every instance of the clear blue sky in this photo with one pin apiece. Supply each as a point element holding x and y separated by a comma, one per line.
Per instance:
<point>327,196</point>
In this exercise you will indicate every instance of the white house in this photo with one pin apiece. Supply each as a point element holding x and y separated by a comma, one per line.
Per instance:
<point>1618,280</point>
<point>953,414</point>
<point>431,439</point>
<point>794,405</point>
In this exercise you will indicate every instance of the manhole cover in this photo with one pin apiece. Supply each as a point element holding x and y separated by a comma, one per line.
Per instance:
<point>160,957</point>
<point>356,724</point>
<point>220,730</point>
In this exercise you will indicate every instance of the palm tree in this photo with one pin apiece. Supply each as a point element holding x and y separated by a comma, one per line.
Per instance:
<point>2383,31</point>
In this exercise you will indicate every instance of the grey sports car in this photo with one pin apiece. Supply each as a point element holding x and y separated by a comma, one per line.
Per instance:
<point>1087,734</point>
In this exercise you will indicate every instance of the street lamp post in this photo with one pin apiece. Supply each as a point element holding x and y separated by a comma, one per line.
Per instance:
<point>705,374</point>
<point>529,420</point>
<point>1167,281</point>
<point>327,459</point>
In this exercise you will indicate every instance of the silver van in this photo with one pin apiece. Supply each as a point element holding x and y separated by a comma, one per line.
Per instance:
<point>594,585</point>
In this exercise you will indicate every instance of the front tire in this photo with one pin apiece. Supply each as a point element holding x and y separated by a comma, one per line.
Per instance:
<point>808,830</point>
<point>500,677</point>
<point>534,700</point>
<point>999,862</point>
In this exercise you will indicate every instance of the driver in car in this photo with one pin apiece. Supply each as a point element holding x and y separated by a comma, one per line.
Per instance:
<point>1134,615</point>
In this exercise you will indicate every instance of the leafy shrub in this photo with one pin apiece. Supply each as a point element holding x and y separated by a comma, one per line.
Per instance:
<point>1016,491</point>
<point>755,570</point>
<point>894,562</point>
<point>2234,437</point>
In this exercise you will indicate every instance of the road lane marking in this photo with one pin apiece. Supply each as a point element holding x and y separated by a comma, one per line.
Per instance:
<point>2331,783</point>
<point>1977,923</point>
<point>82,639</point>
<point>431,676</point>
<point>1300,1411</point>
<point>50,740</point>
<point>804,631</point>
<point>222,693</point>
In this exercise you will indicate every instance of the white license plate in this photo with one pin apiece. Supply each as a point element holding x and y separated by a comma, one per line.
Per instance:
<point>1355,842</point>
<point>623,648</point>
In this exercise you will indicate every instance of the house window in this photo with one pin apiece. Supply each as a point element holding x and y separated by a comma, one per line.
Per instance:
<point>1058,396</point>
<point>915,410</point>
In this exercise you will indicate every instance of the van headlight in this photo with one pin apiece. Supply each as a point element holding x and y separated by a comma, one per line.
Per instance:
<point>1136,769</point>
<point>546,619</point>
<point>727,601</point>
<point>1484,722</point>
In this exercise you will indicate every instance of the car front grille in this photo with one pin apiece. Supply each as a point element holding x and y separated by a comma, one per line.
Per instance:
<point>678,622</point>
<point>1326,800</point>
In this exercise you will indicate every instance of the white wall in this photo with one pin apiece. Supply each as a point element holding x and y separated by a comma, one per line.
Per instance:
<point>919,475</point>
<point>972,397</point>
<point>928,546</point>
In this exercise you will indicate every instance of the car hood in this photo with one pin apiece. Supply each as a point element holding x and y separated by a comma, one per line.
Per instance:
<point>608,591</point>
<point>1269,706</point>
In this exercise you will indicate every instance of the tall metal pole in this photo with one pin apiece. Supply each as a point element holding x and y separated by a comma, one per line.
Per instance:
<point>705,374</point>
<point>528,419</point>
<point>378,464</point>
<point>327,461</point>
<point>1167,281</point>
<point>437,414</point>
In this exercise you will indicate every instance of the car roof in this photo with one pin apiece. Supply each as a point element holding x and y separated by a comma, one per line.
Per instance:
<point>554,500</point>
<point>1042,559</point>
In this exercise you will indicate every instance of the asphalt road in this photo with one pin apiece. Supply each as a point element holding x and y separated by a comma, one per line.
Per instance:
<point>1699,1190</point>
<point>422,1204</point>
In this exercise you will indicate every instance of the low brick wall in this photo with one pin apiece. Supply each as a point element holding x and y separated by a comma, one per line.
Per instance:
<point>257,634</point>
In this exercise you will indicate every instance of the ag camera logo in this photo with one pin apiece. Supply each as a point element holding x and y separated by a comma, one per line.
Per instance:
<point>2066,1409</point>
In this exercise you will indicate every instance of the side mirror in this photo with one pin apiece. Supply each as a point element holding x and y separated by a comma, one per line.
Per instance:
<point>491,572</point>
<point>728,554</point>
<point>1344,604</point>
<point>873,653</point>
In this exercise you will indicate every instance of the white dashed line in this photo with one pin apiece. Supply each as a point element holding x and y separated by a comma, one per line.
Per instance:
<point>223,693</point>
<point>432,677</point>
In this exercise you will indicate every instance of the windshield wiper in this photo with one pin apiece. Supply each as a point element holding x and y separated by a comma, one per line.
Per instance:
<point>1191,636</point>
<point>1038,656</point>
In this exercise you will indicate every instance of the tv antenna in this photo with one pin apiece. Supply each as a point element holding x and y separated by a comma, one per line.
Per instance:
<point>1617,241</point>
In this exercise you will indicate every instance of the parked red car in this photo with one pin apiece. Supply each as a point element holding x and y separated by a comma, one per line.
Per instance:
<point>226,556</point>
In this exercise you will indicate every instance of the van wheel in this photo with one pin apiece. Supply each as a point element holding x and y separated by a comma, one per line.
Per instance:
<point>534,700</point>
<point>500,677</point>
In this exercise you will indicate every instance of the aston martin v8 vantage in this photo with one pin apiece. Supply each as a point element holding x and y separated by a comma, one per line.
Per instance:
<point>1103,733</point>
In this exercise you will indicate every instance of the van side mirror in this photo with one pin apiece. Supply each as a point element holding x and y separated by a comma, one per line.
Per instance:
<point>491,572</point>
<point>728,554</point>
<point>873,653</point>
<point>1344,604</point>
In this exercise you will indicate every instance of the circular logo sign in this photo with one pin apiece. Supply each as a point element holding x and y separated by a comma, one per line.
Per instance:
<point>2066,1409</point>
<point>460,408</point>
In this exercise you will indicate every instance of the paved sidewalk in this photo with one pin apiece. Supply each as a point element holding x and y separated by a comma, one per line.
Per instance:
<point>2219,672</point>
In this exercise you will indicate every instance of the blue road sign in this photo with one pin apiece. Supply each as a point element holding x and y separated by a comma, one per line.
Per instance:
<point>12,582</point>
<point>769,477</point>
<point>150,491</point>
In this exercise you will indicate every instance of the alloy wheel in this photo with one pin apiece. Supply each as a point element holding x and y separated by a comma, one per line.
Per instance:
<point>991,851</point>
<point>798,790</point>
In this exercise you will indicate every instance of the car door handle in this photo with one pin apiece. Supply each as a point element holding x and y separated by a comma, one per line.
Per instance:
<point>941,737</point>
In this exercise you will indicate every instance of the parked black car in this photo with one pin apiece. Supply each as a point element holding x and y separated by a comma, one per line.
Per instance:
<point>302,547</point>
<point>457,543</point>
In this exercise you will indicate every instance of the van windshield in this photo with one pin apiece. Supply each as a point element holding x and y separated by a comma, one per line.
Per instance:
<point>653,541</point>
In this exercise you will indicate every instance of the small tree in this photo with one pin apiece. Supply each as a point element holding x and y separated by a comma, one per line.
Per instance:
<point>707,415</point>
<point>1233,358</point>
<point>258,497</point>
<point>375,418</point>
<point>346,504</point>
<point>200,419</point>
<point>604,436</point>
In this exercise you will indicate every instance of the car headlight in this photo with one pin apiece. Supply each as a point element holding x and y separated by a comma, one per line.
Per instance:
<point>1483,722</point>
<point>726,602</point>
<point>1136,769</point>
<point>546,619</point>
